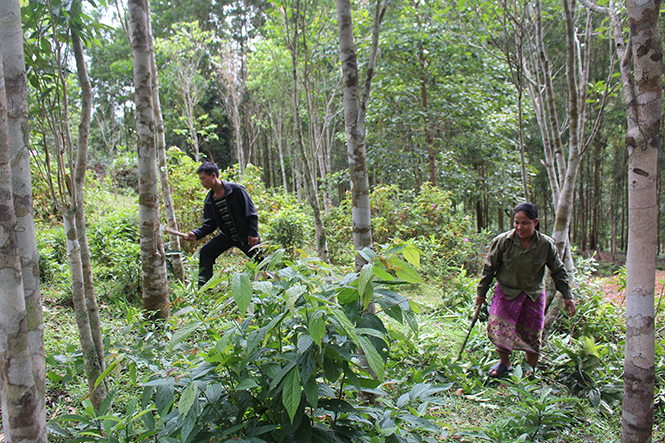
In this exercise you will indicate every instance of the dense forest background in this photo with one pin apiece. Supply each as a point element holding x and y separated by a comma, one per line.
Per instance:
<point>443,109</point>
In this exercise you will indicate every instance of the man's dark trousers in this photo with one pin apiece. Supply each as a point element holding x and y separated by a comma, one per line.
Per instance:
<point>214,248</point>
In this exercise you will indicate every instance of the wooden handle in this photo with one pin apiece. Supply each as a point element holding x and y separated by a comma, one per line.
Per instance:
<point>173,231</point>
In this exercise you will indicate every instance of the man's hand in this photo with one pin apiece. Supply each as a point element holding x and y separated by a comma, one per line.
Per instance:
<point>252,241</point>
<point>190,236</point>
<point>569,305</point>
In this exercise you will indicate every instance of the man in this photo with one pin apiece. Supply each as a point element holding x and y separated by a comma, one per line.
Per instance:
<point>229,208</point>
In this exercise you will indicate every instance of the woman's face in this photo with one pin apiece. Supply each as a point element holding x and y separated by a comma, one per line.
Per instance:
<point>524,226</point>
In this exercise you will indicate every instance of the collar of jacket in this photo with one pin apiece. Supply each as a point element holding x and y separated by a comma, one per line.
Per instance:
<point>516,239</point>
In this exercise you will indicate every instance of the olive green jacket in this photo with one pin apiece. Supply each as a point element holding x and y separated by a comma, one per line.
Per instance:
<point>520,270</point>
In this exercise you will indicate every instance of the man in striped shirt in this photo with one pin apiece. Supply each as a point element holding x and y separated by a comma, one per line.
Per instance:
<point>228,208</point>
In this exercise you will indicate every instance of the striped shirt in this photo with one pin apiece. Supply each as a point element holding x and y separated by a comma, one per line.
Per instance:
<point>228,227</point>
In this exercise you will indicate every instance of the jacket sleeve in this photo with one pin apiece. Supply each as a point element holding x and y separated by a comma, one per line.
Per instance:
<point>558,273</point>
<point>251,214</point>
<point>209,223</point>
<point>491,266</point>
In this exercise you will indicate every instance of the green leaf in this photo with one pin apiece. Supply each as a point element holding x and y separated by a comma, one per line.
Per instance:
<point>405,271</point>
<point>373,358</point>
<point>247,384</point>
<point>312,392</point>
<point>291,392</point>
<point>293,294</point>
<point>187,398</point>
<point>381,273</point>
<point>184,332</point>
<point>412,255</point>
<point>365,277</point>
<point>242,291</point>
<point>317,326</point>
<point>106,372</point>
<point>346,324</point>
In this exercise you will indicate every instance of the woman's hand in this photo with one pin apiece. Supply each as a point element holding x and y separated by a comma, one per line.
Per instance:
<point>569,305</point>
<point>480,300</point>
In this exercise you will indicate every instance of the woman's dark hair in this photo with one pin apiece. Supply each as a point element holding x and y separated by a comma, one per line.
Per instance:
<point>209,168</point>
<point>529,210</point>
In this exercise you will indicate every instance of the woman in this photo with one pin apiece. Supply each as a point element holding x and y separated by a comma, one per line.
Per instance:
<point>517,260</point>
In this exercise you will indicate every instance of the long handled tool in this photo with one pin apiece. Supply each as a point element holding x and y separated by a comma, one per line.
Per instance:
<point>473,323</point>
<point>173,231</point>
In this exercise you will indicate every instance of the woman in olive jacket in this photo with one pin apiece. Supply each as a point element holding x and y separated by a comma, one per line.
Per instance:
<point>517,260</point>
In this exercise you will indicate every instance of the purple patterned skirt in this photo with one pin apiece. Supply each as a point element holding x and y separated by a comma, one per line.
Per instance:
<point>517,324</point>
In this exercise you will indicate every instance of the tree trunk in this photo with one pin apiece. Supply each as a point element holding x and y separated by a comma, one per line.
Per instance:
<point>13,57</point>
<point>91,361</point>
<point>160,146</point>
<point>155,289</point>
<point>355,111</point>
<point>642,73</point>
<point>22,408</point>
<point>91,305</point>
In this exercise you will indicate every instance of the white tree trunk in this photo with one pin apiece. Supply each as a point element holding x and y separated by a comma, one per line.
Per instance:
<point>643,103</point>
<point>13,57</point>
<point>21,406</point>
<point>91,305</point>
<point>155,289</point>
<point>92,363</point>
<point>160,146</point>
<point>355,110</point>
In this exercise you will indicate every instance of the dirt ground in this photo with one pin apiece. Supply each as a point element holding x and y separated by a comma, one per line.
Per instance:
<point>610,287</point>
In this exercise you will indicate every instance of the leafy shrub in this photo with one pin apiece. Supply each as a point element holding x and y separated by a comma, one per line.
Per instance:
<point>534,414</point>
<point>53,260</point>
<point>589,370</point>
<point>289,229</point>
<point>274,361</point>
<point>115,248</point>
<point>186,192</point>
<point>445,236</point>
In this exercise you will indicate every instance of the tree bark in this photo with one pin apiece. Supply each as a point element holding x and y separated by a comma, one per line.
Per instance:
<point>91,305</point>
<point>22,407</point>
<point>160,146</point>
<point>91,361</point>
<point>642,72</point>
<point>355,111</point>
<point>641,76</point>
<point>155,289</point>
<point>13,57</point>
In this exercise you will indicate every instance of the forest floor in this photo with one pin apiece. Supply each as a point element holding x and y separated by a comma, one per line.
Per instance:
<point>610,287</point>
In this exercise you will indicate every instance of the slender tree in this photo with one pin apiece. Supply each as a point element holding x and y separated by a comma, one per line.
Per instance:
<point>91,305</point>
<point>22,408</point>
<point>51,80</point>
<point>641,77</point>
<point>13,58</point>
<point>160,146</point>
<point>355,112</point>
<point>155,289</point>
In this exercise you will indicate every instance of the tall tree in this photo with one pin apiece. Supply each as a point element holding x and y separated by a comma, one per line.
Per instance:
<point>641,77</point>
<point>14,70</point>
<point>153,263</point>
<point>160,146</point>
<point>52,81</point>
<point>355,112</point>
<point>22,409</point>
